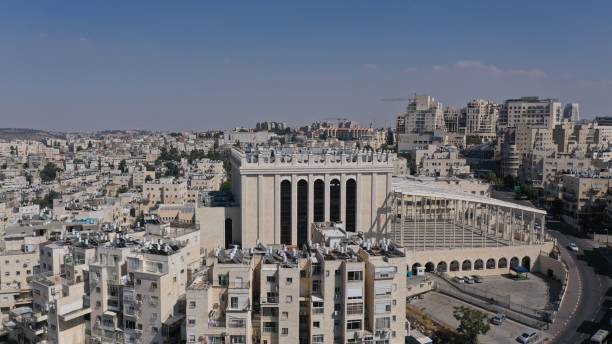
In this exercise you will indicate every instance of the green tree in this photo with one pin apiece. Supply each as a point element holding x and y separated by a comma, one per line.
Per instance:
<point>226,186</point>
<point>122,189</point>
<point>49,172</point>
<point>122,166</point>
<point>47,201</point>
<point>148,179</point>
<point>472,323</point>
<point>89,145</point>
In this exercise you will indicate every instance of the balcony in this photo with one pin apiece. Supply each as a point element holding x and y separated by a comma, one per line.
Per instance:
<point>269,300</point>
<point>212,323</point>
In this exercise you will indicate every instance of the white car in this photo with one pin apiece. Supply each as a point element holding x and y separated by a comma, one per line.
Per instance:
<point>458,279</point>
<point>528,337</point>
<point>572,246</point>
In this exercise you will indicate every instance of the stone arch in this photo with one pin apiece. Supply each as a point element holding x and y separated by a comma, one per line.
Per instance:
<point>502,263</point>
<point>514,262</point>
<point>490,263</point>
<point>526,263</point>
<point>414,267</point>
<point>442,267</point>
<point>429,267</point>
<point>466,265</point>
<point>478,264</point>
<point>454,266</point>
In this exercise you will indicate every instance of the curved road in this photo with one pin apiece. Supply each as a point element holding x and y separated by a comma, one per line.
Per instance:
<point>588,301</point>
<point>588,297</point>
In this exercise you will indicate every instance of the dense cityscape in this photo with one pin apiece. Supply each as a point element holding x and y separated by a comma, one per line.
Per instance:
<point>330,232</point>
<point>314,172</point>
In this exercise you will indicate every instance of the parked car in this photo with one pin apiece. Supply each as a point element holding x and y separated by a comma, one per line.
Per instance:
<point>458,279</point>
<point>468,280</point>
<point>572,246</point>
<point>600,337</point>
<point>528,337</point>
<point>498,319</point>
<point>477,278</point>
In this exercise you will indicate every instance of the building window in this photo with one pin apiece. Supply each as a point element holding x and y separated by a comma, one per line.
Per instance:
<point>192,304</point>
<point>234,302</point>
<point>285,212</point>
<point>319,201</point>
<point>228,233</point>
<point>355,275</point>
<point>289,280</point>
<point>316,324</point>
<point>285,331</point>
<point>270,279</point>
<point>334,200</point>
<point>353,325</point>
<point>302,212</point>
<point>351,205</point>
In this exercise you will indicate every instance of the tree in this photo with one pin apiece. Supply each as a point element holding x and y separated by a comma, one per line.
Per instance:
<point>509,182</point>
<point>49,172</point>
<point>89,145</point>
<point>122,189</point>
<point>226,186</point>
<point>472,323</point>
<point>148,178</point>
<point>47,201</point>
<point>122,166</point>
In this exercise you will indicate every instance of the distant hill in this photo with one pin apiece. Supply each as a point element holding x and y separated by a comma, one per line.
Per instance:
<point>28,134</point>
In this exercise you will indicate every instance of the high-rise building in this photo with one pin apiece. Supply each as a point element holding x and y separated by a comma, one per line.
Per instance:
<point>481,119</point>
<point>423,115</point>
<point>532,112</point>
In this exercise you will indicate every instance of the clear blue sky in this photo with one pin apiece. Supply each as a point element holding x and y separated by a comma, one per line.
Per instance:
<point>175,65</point>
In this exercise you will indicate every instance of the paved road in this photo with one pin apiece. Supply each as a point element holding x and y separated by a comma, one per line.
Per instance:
<point>594,286</point>
<point>589,294</point>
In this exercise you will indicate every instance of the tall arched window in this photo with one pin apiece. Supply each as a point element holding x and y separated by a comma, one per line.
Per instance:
<point>228,233</point>
<point>302,212</point>
<point>285,212</point>
<point>351,205</point>
<point>334,200</point>
<point>319,201</point>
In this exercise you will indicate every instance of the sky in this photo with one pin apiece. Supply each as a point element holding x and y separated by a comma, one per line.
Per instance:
<point>198,65</point>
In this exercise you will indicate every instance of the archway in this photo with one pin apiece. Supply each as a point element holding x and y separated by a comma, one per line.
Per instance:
<point>302,212</point>
<point>285,212</point>
<point>228,233</point>
<point>429,267</point>
<point>319,201</point>
<point>441,267</point>
<point>351,205</point>
<point>502,263</point>
<point>478,264</point>
<point>334,200</point>
<point>454,266</point>
<point>466,265</point>
<point>514,262</point>
<point>490,263</point>
<point>414,268</point>
<point>526,263</point>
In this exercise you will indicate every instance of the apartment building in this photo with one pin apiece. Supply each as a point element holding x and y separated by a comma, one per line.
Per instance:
<point>158,274</point>
<point>441,162</point>
<point>481,119</point>
<point>423,115</point>
<point>220,300</point>
<point>532,112</point>
<point>166,190</point>
<point>584,196</point>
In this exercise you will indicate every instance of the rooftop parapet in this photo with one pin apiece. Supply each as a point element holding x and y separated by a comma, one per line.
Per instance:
<point>310,156</point>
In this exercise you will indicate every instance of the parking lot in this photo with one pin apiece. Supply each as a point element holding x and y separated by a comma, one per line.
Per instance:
<point>440,308</point>
<point>537,292</point>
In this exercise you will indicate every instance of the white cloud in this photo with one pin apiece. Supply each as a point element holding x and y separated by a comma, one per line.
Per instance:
<point>438,68</point>
<point>497,71</point>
